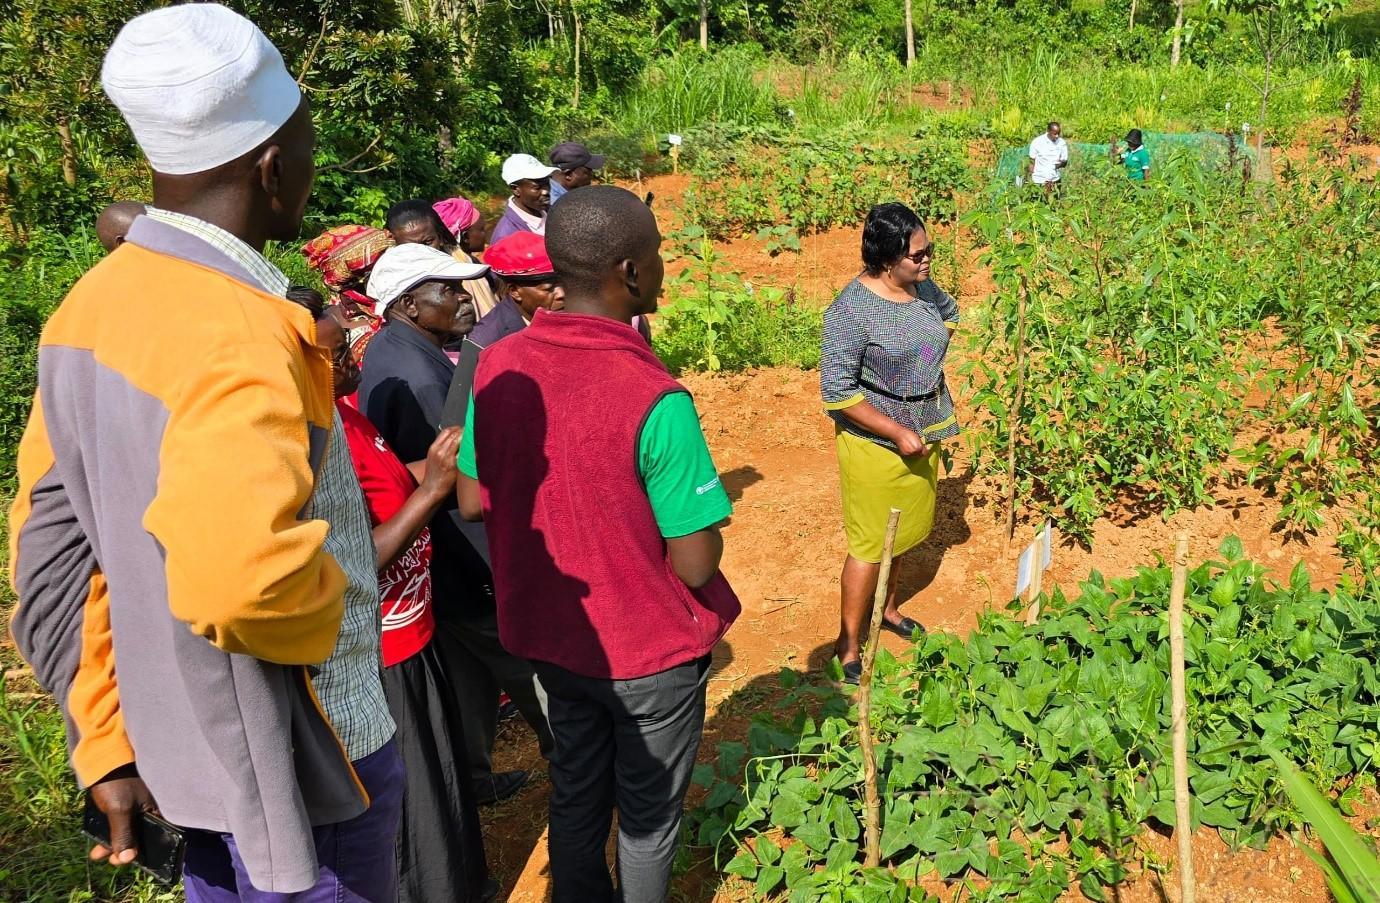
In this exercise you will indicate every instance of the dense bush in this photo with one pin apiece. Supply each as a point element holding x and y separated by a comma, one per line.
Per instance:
<point>814,185</point>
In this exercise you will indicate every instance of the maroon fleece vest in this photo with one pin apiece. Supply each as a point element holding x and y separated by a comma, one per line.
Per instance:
<point>580,569</point>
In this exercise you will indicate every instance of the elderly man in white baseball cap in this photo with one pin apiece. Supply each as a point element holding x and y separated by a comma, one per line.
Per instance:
<point>193,558</point>
<point>407,376</point>
<point>530,181</point>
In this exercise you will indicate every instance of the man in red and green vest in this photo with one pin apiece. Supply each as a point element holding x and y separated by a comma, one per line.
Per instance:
<point>586,461</point>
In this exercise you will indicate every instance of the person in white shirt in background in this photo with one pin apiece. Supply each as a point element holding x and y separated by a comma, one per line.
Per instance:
<point>1049,154</point>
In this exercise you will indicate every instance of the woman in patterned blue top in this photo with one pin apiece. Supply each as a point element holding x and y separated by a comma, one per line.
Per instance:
<point>882,379</point>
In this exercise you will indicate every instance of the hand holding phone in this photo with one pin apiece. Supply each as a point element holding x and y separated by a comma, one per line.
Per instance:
<point>121,816</point>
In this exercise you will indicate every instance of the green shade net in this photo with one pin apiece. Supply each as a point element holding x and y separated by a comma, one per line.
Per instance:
<point>1209,148</point>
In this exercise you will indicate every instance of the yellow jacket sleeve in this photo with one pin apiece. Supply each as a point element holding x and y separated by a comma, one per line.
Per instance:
<point>93,702</point>
<point>245,568</point>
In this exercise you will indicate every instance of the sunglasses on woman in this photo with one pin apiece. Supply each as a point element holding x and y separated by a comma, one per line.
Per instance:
<point>920,256</point>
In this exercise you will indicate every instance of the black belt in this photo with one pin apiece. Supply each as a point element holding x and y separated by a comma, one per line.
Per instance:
<point>924,396</point>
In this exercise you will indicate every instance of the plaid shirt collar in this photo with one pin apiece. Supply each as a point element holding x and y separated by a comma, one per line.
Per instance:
<point>257,265</point>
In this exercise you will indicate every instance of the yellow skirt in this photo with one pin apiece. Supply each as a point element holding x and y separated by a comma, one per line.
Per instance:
<point>876,479</point>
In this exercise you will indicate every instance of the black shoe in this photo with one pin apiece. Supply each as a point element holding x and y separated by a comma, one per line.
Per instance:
<point>498,787</point>
<point>507,711</point>
<point>903,628</point>
<point>490,891</point>
<point>852,673</point>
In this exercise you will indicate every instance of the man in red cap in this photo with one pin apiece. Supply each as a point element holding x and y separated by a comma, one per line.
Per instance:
<point>527,282</point>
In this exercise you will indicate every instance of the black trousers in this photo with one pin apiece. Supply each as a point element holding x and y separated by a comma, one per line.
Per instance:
<point>629,743</point>
<point>440,847</point>
<point>479,667</point>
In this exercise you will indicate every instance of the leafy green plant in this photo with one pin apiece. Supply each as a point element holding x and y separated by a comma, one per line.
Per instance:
<point>804,186</point>
<point>716,320</point>
<point>778,239</point>
<point>1138,307</point>
<point>1323,443</point>
<point>1023,759</point>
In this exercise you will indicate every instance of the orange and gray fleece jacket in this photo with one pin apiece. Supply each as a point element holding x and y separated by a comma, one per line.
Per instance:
<point>171,584</point>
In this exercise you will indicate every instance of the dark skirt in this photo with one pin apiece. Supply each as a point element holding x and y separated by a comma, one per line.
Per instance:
<point>440,847</point>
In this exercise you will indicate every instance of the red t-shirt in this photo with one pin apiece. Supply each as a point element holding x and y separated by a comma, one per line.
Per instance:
<point>405,586</point>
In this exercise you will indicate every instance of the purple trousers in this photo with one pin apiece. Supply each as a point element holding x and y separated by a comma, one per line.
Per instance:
<point>358,858</point>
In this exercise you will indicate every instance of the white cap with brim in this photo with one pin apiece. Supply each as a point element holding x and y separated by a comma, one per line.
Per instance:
<point>199,85</point>
<point>404,267</point>
<point>525,166</point>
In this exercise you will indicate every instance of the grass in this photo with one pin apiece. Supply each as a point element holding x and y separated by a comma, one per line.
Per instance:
<point>689,89</point>
<point>42,851</point>
<point>1094,100</point>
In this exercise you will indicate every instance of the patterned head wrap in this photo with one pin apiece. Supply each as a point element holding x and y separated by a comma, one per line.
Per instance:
<point>343,252</point>
<point>457,213</point>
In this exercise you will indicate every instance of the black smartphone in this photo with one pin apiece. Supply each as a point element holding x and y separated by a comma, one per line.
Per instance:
<point>162,845</point>
<point>648,199</point>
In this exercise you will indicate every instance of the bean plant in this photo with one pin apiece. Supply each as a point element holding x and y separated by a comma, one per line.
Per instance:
<point>1020,760</point>
<point>1322,444</point>
<point>714,319</point>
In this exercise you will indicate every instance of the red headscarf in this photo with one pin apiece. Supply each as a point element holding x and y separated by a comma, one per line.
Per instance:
<point>345,251</point>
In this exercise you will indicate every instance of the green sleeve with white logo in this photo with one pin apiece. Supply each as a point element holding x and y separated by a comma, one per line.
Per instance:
<point>464,460</point>
<point>673,459</point>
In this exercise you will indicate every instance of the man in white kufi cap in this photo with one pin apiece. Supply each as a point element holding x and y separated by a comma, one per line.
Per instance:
<point>192,555</point>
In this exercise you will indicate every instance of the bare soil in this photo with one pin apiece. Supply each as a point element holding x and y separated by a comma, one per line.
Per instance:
<point>785,547</point>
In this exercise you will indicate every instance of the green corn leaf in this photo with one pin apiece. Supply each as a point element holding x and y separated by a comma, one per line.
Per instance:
<point>1356,865</point>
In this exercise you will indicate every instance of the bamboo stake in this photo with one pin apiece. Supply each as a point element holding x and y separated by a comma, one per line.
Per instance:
<point>872,814</point>
<point>1013,416</point>
<point>1183,824</point>
<point>910,36</point>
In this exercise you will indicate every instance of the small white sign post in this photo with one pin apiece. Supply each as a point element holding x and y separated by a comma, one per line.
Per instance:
<point>1030,569</point>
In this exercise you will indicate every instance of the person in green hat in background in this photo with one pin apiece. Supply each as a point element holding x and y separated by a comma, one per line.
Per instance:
<point>1135,157</point>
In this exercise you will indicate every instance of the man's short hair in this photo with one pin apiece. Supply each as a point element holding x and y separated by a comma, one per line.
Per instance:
<point>404,213</point>
<point>593,229</point>
<point>1053,123</point>
<point>115,221</point>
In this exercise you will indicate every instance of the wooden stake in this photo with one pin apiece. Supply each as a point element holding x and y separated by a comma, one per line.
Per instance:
<point>1183,822</point>
<point>675,158</point>
<point>872,814</point>
<point>1014,415</point>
